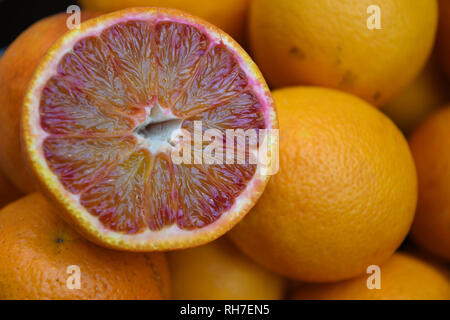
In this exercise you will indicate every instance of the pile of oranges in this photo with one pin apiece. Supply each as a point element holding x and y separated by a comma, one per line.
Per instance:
<point>360,205</point>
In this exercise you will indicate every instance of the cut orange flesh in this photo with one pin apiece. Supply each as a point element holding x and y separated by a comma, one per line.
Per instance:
<point>99,118</point>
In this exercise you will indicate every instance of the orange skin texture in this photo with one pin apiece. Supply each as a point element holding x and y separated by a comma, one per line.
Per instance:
<point>327,43</point>
<point>443,37</point>
<point>218,271</point>
<point>8,192</point>
<point>430,145</point>
<point>16,69</point>
<point>345,194</point>
<point>229,15</point>
<point>37,247</point>
<point>403,277</point>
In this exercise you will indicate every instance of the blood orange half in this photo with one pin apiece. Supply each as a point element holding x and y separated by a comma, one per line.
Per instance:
<point>100,117</point>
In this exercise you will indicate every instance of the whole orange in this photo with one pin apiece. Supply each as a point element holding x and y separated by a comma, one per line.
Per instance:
<point>345,194</point>
<point>219,271</point>
<point>8,192</point>
<point>423,96</point>
<point>430,145</point>
<point>229,15</point>
<point>403,277</point>
<point>16,68</point>
<point>40,253</point>
<point>338,44</point>
<point>443,36</point>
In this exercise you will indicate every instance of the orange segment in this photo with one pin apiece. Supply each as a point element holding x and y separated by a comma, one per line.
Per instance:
<point>111,99</point>
<point>178,49</point>
<point>193,196</point>
<point>164,194</point>
<point>218,79</point>
<point>93,69</point>
<point>67,109</point>
<point>133,58</point>
<point>241,112</point>
<point>79,162</point>
<point>119,199</point>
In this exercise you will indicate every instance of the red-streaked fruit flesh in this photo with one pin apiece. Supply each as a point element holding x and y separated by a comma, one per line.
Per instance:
<point>99,117</point>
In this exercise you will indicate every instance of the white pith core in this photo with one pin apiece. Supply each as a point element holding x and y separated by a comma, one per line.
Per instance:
<point>158,130</point>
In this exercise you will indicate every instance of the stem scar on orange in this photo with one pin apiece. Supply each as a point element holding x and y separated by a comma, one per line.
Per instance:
<point>100,113</point>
